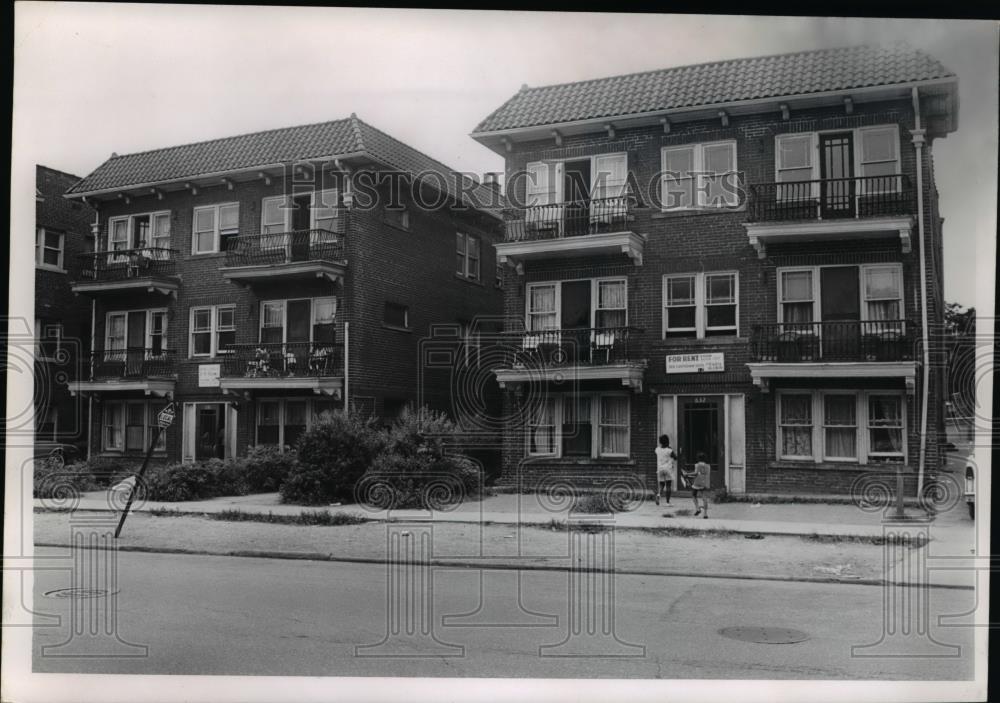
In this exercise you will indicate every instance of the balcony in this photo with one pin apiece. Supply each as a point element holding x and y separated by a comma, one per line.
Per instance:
<point>578,354</point>
<point>852,349</point>
<point>150,269</point>
<point>310,366</point>
<point>870,207</point>
<point>150,370</point>
<point>581,228</point>
<point>286,256</point>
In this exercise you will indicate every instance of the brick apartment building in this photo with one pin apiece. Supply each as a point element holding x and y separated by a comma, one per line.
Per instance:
<point>62,329</point>
<point>261,279</point>
<point>744,255</point>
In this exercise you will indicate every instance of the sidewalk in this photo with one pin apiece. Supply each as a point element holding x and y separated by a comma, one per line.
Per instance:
<point>802,519</point>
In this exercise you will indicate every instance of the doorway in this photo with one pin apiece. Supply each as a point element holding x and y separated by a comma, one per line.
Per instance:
<point>576,195</point>
<point>700,430</point>
<point>840,311</point>
<point>135,343</point>
<point>836,157</point>
<point>576,320</point>
<point>210,431</point>
<point>301,222</point>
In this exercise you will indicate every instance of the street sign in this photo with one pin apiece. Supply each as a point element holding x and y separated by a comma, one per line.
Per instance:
<point>166,417</point>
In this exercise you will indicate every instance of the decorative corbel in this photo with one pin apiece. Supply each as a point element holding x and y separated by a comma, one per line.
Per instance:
<point>557,136</point>
<point>724,116</point>
<point>192,187</point>
<point>157,192</point>
<point>904,239</point>
<point>127,199</point>
<point>264,177</point>
<point>911,384</point>
<point>848,106</point>
<point>228,183</point>
<point>611,130</point>
<point>785,112</point>
<point>666,125</point>
<point>762,384</point>
<point>759,246</point>
<point>506,144</point>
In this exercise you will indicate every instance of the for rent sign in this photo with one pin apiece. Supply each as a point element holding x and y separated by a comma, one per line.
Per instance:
<point>696,363</point>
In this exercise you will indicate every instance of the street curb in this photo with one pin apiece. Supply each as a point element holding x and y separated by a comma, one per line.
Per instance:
<point>545,525</point>
<point>506,566</point>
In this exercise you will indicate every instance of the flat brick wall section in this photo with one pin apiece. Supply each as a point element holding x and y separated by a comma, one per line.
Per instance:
<point>702,241</point>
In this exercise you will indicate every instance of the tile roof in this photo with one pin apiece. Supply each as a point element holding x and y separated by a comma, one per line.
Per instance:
<point>247,151</point>
<point>714,83</point>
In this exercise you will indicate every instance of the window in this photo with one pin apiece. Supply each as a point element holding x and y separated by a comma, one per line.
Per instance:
<point>272,215</point>
<point>879,151</point>
<point>396,315</point>
<point>542,428</point>
<point>856,426</point>
<point>397,217</point>
<point>883,292</point>
<point>115,331</point>
<point>885,427</point>
<point>157,337</point>
<point>795,425</point>
<point>277,213</point>
<point>542,311</point>
<point>700,305</point>
<point>540,185</point>
<point>151,229</point>
<point>213,226</point>
<point>794,158</point>
<point>796,296</point>
<point>282,421</point>
<point>699,175</point>
<point>840,427</point>
<point>49,249</point>
<point>499,276</point>
<point>876,153</point>
<point>467,256</point>
<point>213,329</point>
<point>612,304</point>
<point>324,314</point>
<point>592,426</point>
<point>325,211</point>
<point>129,426</point>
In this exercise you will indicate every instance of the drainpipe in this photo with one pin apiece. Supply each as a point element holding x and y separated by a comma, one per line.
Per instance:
<point>95,229</point>
<point>347,357</point>
<point>918,142</point>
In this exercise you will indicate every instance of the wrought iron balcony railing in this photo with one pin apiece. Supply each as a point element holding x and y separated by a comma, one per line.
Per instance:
<point>293,359</point>
<point>832,198</point>
<point>570,219</point>
<point>595,346</point>
<point>286,247</point>
<point>132,363</point>
<point>868,340</point>
<point>125,264</point>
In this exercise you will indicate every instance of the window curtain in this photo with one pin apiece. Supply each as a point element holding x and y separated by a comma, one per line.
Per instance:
<point>885,420</point>
<point>611,304</point>
<point>841,426</point>
<point>543,428</point>
<point>614,425</point>
<point>796,421</point>
<point>542,308</point>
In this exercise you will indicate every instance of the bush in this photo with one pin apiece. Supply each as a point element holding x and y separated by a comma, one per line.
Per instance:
<point>593,504</point>
<point>266,467</point>
<point>195,481</point>
<point>423,430</point>
<point>60,482</point>
<point>423,480</point>
<point>332,455</point>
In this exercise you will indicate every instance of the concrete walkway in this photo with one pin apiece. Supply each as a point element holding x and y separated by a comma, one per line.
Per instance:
<point>834,520</point>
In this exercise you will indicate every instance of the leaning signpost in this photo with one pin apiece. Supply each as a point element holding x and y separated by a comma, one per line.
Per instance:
<point>163,420</point>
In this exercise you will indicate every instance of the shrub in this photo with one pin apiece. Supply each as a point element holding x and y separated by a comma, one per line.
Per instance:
<point>593,504</point>
<point>267,467</point>
<point>422,480</point>
<point>418,431</point>
<point>195,481</point>
<point>60,482</point>
<point>332,455</point>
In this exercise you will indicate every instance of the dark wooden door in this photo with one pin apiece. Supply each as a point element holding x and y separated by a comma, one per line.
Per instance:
<point>576,320</point>
<point>701,431</point>
<point>836,161</point>
<point>135,343</point>
<point>840,310</point>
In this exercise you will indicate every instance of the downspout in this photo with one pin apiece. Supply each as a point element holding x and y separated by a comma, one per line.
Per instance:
<point>918,142</point>
<point>347,357</point>
<point>95,229</point>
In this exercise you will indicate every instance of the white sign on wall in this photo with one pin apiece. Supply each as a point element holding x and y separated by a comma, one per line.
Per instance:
<point>696,363</point>
<point>208,375</point>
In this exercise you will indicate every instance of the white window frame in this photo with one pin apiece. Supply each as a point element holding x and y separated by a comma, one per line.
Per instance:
<point>130,226</point>
<point>311,417</point>
<point>149,420</point>
<point>284,203</point>
<point>817,288</point>
<point>857,134</point>
<point>466,255</point>
<point>558,416</point>
<point>865,299</point>
<point>217,231</point>
<point>213,331</point>
<point>539,191</point>
<point>41,248</point>
<point>699,191</point>
<point>824,425</point>
<point>865,455</point>
<point>780,444</point>
<point>594,298</point>
<point>701,304</point>
<point>283,302</point>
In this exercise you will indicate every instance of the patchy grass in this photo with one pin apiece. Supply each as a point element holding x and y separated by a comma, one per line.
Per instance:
<point>306,517</point>
<point>874,540</point>
<point>723,496</point>
<point>167,512</point>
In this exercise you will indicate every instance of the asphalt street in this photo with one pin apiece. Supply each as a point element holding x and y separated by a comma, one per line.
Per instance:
<point>185,614</point>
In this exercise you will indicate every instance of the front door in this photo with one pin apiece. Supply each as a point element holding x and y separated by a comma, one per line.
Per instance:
<point>576,320</point>
<point>135,343</point>
<point>840,311</point>
<point>210,431</point>
<point>576,194</point>
<point>701,432</point>
<point>836,162</point>
<point>301,222</point>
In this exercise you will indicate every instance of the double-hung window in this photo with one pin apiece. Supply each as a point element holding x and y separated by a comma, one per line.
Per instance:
<point>795,425</point>
<point>467,255</point>
<point>878,154</point>
<point>542,307</point>
<point>612,304</point>
<point>129,426</point>
<point>582,426</point>
<point>213,330</point>
<point>396,315</point>
<point>282,421</point>
<point>49,249</point>
<point>840,427</point>
<point>214,225</point>
<point>805,295</point>
<point>885,427</point>
<point>699,176</point>
<point>700,304</point>
<point>883,290</point>
<point>141,231</point>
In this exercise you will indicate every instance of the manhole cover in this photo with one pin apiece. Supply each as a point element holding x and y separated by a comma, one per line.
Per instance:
<point>753,535</point>
<point>764,635</point>
<point>79,593</point>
